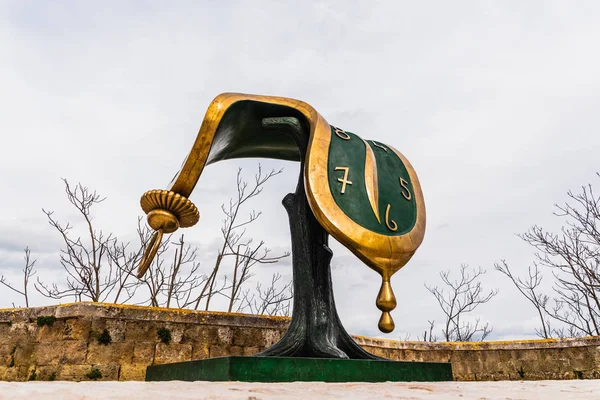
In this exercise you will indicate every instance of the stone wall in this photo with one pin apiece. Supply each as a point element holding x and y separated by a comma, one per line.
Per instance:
<point>85,341</point>
<point>577,358</point>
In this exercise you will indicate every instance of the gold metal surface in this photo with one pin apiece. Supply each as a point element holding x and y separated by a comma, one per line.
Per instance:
<point>384,254</point>
<point>386,323</point>
<point>150,253</point>
<point>371,183</point>
<point>386,302</point>
<point>166,212</point>
<point>183,209</point>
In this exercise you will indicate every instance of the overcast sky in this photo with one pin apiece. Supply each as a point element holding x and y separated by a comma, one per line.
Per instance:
<point>495,105</point>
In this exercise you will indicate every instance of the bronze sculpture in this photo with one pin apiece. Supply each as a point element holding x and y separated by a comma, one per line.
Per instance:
<point>364,193</point>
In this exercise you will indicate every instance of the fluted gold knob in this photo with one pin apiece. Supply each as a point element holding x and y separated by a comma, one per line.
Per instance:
<point>182,208</point>
<point>167,211</point>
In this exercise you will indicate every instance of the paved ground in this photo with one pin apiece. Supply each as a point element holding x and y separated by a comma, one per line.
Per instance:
<point>545,390</point>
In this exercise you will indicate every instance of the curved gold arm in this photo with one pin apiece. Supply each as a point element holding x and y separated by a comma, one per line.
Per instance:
<point>150,253</point>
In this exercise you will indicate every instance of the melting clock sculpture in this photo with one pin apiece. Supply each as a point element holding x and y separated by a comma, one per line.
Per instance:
<point>362,192</point>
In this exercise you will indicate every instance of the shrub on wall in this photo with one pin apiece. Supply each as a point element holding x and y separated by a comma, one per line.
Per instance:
<point>164,335</point>
<point>46,320</point>
<point>104,338</point>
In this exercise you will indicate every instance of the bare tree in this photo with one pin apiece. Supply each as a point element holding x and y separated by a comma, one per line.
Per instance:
<point>174,283</point>
<point>431,337</point>
<point>272,300</point>
<point>83,258</point>
<point>529,288</point>
<point>245,253</point>
<point>464,295</point>
<point>125,261</point>
<point>573,258</point>
<point>100,267</point>
<point>28,272</point>
<point>178,281</point>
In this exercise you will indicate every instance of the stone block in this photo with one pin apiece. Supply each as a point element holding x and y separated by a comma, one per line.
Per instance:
<point>68,352</point>
<point>110,372</point>
<point>200,351</point>
<point>218,351</point>
<point>581,364</point>
<point>48,354</point>
<point>580,353</point>
<point>434,355</point>
<point>24,353</point>
<point>207,335</point>
<point>176,332</point>
<point>116,329</point>
<point>98,324</point>
<point>170,353</point>
<point>250,351</point>
<point>23,330</point>
<point>77,328</point>
<point>270,337</point>
<point>236,351</point>
<point>6,354</point>
<point>79,372</point>
<point>409,355</point>
<point>53,333</point>
<point>6,334</point>
<point>47,372</point>
<point>383,352</point>
<point>119,353</point>
<point>466,355</point>
<point>74,352</point>
<point>224,335</point>
<point>73,372</point>
<point>193,333</point>
<point>141,331</point>
<point>133,372</point>
<point>504,356</point>
<point>143,353</point>
<point>461,368</point>
<point>247,336</point>
<point>14,373</point>
<point>530,355</point>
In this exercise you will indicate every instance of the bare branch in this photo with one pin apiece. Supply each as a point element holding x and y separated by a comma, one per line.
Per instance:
<point>28,272</point>
<point>464,296</point>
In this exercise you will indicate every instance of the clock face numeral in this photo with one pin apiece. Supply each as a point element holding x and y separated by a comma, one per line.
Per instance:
<point>341,133</point>
<point>380,184</point>
<point>390,223</point>
<point>379,145</point>
<point>405,191</point>
<point>344,181</point>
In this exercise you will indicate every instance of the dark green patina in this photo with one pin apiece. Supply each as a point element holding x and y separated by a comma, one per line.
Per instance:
<point>355,202</point>
<point>291,369</point>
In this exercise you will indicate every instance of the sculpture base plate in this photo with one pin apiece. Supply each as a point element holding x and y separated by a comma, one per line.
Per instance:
<point>293,369</point>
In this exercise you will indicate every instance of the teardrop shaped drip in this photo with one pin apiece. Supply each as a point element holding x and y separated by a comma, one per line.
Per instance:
<point>386,323</point>
<point>386,300</point>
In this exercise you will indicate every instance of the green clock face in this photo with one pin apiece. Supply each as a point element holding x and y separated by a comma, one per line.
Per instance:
<point>370,184</point>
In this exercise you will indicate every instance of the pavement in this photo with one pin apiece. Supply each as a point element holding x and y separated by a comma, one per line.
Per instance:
<point>504,390</point>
